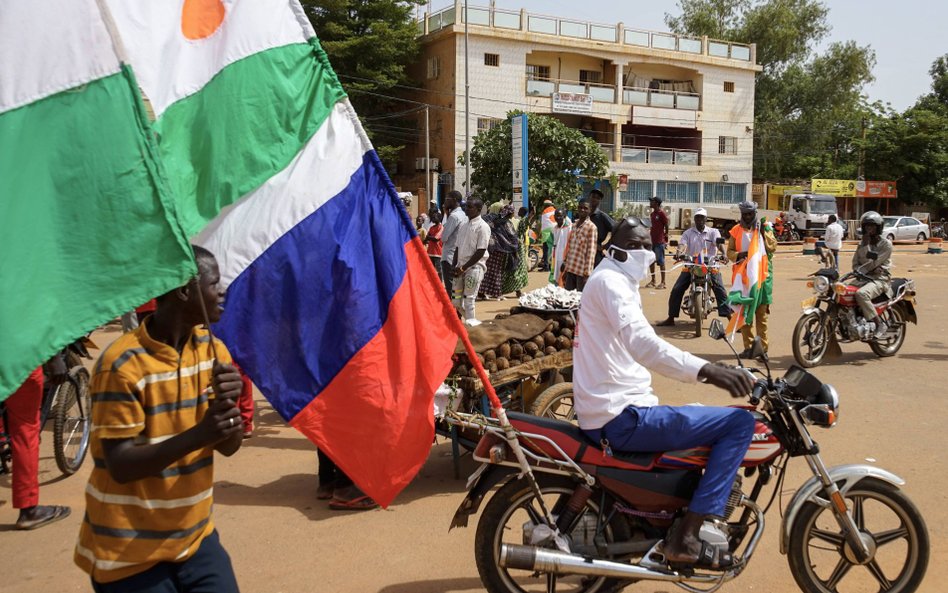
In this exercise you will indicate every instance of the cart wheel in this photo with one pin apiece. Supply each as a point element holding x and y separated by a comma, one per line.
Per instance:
<point>555,402</point>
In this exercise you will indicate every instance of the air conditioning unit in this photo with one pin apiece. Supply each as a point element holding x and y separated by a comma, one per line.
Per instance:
<point>686,214</point>
<point>672,214</point>
<point>420,164</point>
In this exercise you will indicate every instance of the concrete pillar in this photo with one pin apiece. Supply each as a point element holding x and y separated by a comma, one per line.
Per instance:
<point>523,19</point>
<point>619,79</point>
<point>753,53</point>
<point>620,33</point>
<point>617,143</point>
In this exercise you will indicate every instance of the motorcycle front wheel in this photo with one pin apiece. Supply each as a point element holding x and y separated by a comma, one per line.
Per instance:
<point>699,312</point>
<point>893,529</point>
<point>513,510</point>
<point>810,340</point>
<point>892,342</point>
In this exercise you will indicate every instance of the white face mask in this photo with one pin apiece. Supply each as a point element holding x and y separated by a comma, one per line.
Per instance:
<point>636,264</point>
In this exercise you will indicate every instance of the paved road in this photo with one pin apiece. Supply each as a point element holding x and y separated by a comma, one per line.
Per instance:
<point>283,540</point>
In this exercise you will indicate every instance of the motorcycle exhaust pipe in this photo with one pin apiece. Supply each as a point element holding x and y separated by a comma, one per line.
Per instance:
<point>537,559</point>
<point>562,563</point>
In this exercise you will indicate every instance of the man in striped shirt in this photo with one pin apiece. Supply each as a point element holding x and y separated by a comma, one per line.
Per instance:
<point>161,405</point>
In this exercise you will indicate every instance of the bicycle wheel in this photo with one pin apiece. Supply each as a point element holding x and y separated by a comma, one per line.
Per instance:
<point>72,421</point>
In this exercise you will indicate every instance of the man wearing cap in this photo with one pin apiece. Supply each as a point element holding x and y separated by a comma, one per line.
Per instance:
<point>659,232</point>
<point>696,241</point>
<point>738,245</point>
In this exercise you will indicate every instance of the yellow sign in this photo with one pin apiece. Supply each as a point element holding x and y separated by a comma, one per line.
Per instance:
<point>841,188</point>
<point>776,193</point>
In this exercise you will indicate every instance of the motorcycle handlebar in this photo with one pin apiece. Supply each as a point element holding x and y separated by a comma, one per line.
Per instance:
<point>760,389</point>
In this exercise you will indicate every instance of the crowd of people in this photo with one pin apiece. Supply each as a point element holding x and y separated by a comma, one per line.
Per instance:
<point>167,396</point>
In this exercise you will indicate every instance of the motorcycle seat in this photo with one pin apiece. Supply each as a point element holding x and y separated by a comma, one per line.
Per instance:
<point>524,421</point>
<point>897,283</point>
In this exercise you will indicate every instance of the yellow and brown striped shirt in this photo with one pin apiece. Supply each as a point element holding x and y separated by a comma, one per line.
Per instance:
<point>143,389</point>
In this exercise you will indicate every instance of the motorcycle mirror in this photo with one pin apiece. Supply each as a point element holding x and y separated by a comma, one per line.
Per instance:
<point>872,255</point>
<point>673,243</point>
<point>717,330</point>
<point>720,241</point>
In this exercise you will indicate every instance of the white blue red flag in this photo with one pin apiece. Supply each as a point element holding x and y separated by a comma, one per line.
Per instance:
<point>333,308</point>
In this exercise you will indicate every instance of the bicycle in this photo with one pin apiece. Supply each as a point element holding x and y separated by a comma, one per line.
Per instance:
<point>70,405</point>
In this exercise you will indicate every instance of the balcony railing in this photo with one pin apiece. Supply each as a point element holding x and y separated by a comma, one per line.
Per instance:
<point>605,93</point>
<point>660,156</point>
<point>574,29</point>
<point>656,98</point>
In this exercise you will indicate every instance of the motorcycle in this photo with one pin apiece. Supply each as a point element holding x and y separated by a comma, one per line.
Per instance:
<point>832,316</point>
<point>699,300</point>
<point>569,516</point>
<point>786,232</point>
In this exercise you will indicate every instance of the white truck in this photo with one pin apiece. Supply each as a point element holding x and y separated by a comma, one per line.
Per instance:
<point>810,213</point>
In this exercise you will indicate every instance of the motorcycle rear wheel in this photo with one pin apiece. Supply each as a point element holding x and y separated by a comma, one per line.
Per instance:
<point>810,340</point>
<point>819,557</point>
<point>893,342</point>
<point>502,521</point>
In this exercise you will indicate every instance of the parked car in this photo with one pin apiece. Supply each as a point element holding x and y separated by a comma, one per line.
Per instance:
<point>904,228</point>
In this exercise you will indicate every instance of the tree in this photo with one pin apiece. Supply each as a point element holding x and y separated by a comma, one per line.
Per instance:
<point>912,147</point>
<point>808,108</point>
<point>370,43</point>
<point>558,157</point>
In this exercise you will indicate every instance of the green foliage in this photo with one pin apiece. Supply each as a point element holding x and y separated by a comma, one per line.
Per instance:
<point>808,108</point>
<point>555,151</point>
<point>912,147</point>
<point>370,43</point>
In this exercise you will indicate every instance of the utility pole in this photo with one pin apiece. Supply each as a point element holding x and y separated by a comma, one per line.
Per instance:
<point>862,153</point>
<point>467,111</point>
<point>427,159</point>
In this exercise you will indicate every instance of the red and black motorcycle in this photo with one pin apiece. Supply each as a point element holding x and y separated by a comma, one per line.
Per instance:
<point>569,517</point>
<point>832,316</point>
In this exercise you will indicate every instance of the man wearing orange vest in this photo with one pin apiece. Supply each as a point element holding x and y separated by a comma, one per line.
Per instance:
<point>737,247</point>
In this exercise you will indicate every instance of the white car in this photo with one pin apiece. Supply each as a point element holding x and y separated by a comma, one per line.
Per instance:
<point>904,228</point>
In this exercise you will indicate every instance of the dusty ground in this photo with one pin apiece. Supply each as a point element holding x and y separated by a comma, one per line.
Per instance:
<point>283,540</point>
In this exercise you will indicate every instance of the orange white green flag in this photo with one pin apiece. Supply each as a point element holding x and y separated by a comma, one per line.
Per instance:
<point>86,214</point>
<point>750,280</point>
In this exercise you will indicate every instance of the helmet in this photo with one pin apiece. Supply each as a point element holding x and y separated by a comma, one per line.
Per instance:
<point>873,217</point>
<point>747,206</point>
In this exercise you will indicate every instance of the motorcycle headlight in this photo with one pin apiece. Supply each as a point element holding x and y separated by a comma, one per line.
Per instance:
<point>821,285</point>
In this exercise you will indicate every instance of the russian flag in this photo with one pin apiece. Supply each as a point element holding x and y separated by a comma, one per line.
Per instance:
<point>333,308</point>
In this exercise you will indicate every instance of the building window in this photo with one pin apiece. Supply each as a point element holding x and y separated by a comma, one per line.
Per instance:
<point>434,67</point>
<point>593,76</point>
<point>535,72</point>
<point>678,191</point>
<point>492,59</point>
<point>728,87</point>
<point>486,123</point>
<point>638,190</point>
<point>727,145</point>
<point>725,193</point>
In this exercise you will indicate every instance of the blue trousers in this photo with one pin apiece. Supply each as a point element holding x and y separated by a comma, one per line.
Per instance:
<point>727,431</point>
<point>208,571</point>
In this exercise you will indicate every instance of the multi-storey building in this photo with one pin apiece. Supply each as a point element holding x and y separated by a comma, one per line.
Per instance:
<point>674,114</point>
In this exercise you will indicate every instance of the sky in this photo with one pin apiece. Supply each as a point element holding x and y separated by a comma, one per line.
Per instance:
<point>906,35</point>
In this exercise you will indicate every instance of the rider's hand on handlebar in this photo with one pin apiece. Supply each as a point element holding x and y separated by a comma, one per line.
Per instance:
<point>737,382</point>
